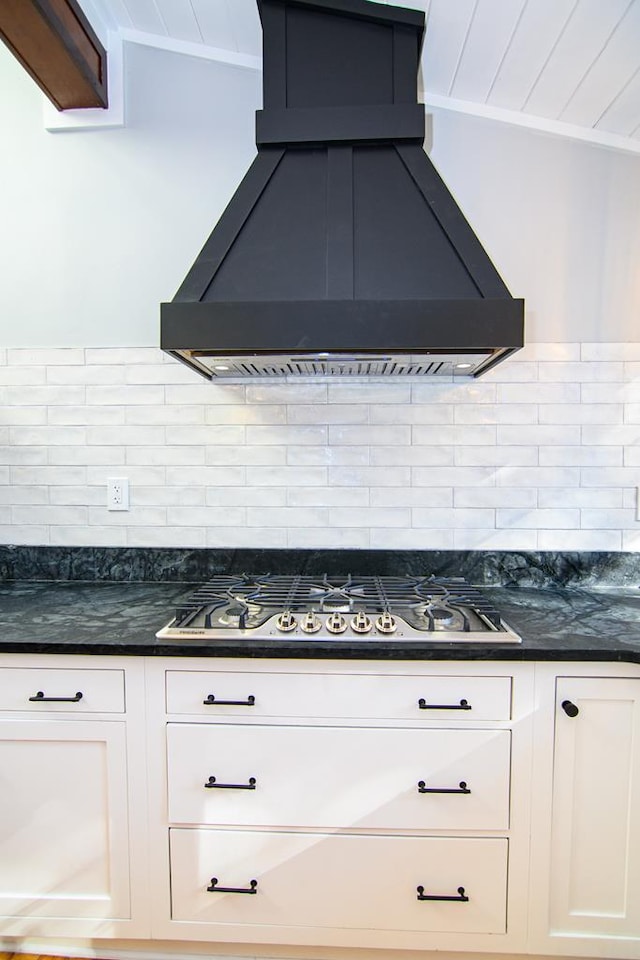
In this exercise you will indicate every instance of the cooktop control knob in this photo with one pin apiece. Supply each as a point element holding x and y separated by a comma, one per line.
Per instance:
<point>286,621</point>
<point>310,623</point>
<point>386,623</point>
<point>336,623</point>
<point>361,623</point>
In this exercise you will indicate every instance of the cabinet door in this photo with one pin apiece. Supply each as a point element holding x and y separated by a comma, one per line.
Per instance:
<point>595,860</point>
<point>63,821</point>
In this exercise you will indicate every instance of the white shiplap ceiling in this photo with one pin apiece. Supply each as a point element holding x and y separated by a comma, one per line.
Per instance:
<point>571,67</point>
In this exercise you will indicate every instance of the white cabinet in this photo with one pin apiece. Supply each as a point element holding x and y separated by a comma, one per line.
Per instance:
<point>68,860</point>
<point>589,868</point>
<point>326,804</point>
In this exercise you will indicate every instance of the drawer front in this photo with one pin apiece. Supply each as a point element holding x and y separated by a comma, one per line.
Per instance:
<point>349,882</point>
<point>262,695</point>
<point>338,777</point>
<point>39,690</point>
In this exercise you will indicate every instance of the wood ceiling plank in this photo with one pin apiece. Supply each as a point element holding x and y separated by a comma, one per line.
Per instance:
<point>623,115</point>
<point>145,16</point>
<point>584,37</point>
<point>214,23</point>
<point>245,23</point>
<point>445,36</point>
<point>490,34</point>
<point>538,30</point>
<point>609,74</point>
<point>56,44</point>
<point>180,20</point>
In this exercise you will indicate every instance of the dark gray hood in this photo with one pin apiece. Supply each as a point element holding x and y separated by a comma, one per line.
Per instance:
<point>342,252</point>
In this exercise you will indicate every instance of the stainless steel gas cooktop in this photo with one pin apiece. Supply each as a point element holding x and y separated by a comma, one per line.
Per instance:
<point>297,608</point>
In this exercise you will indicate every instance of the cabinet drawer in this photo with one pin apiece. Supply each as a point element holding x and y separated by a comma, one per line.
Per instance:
<point>43,689</point>
<point>338,777</point>
<point>348,882</point>
<point>262,695</point>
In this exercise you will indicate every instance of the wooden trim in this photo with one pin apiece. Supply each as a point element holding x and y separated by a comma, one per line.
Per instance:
<point>56,45</point>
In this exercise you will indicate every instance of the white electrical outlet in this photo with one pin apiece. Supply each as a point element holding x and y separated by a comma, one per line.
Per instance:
<point>117,493</point>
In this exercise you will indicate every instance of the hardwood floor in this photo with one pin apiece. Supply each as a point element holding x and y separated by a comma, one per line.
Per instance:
<point>30,956</point>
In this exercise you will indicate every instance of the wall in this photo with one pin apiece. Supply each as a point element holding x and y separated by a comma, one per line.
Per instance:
<point>97,228</point>
<point>542,454</point>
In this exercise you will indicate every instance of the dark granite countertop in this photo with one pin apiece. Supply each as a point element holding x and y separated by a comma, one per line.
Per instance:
<point>121,618</point>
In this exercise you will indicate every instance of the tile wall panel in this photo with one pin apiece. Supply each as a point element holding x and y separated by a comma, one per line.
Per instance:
<point>542,453</point>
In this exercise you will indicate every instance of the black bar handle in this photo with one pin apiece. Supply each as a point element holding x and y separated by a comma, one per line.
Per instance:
<point>463,705</point>
<point>40,698</point>
<point>251,785</point>
<point>461,788</point>
<point>214,888</point>
<point>570,708</point>
<point>461,898</point>
<point>212,702</point>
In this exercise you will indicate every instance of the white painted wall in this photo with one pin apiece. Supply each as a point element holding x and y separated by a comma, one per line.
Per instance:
<point>99,227</point>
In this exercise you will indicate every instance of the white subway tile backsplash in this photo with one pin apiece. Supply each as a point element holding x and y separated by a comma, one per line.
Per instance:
<point>581,371</point>
<point>98,374</point>
<point>543,452</point>
<point>538,434</point>
<point>494,413</point>
<point>82,416</point>
<point>580,540</point>
<point>49,356</point>
<point>109,456</point>
<point>584,456</point>
<point>411,496</point>
<point>452,518</point>
<point>538,519</point>
<point>369,517</point>
<point>536,392</point>
<point>23,376</point>
<point>187,456</point>
<point>411,413</point>
<point>411,456</point>
<point>476,497</point>
<point>458,434</point>
<point>591,519</point>
<point>243,455</point>
<point>290,435</point>
<point>610,351</point>
<point>287,517</point>
<point>319,456</point>
<point>496,456</point>
<point>287,476</point>
<point>495,539</point>
<point>390,476</point>
<point>163,414</point>
<point>568,413</point>
<point>326,413</point>
<point>328,497</point>
<point>205,393</point>
<point>590,497</point>
<point>389,539</point>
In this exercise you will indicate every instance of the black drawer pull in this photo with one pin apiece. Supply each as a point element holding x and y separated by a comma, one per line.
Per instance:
<point>40,698</point>
<point>463,705</point>
<point>212,702</point>
<point>214,888</point>
<point>570,708</point>
<point>461,898</point>
<point>461,788</point>
<point>232,786</point>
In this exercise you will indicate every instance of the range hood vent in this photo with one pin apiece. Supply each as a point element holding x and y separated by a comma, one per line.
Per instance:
<point>342,253</point>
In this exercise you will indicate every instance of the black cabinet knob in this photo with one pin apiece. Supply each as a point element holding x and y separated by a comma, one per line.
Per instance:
<point>570,708</point>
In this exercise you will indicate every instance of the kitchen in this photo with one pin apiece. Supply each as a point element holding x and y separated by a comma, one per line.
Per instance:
<point>537,457</point>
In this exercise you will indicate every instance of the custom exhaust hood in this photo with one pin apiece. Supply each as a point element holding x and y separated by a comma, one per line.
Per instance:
<point>342,252</point>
